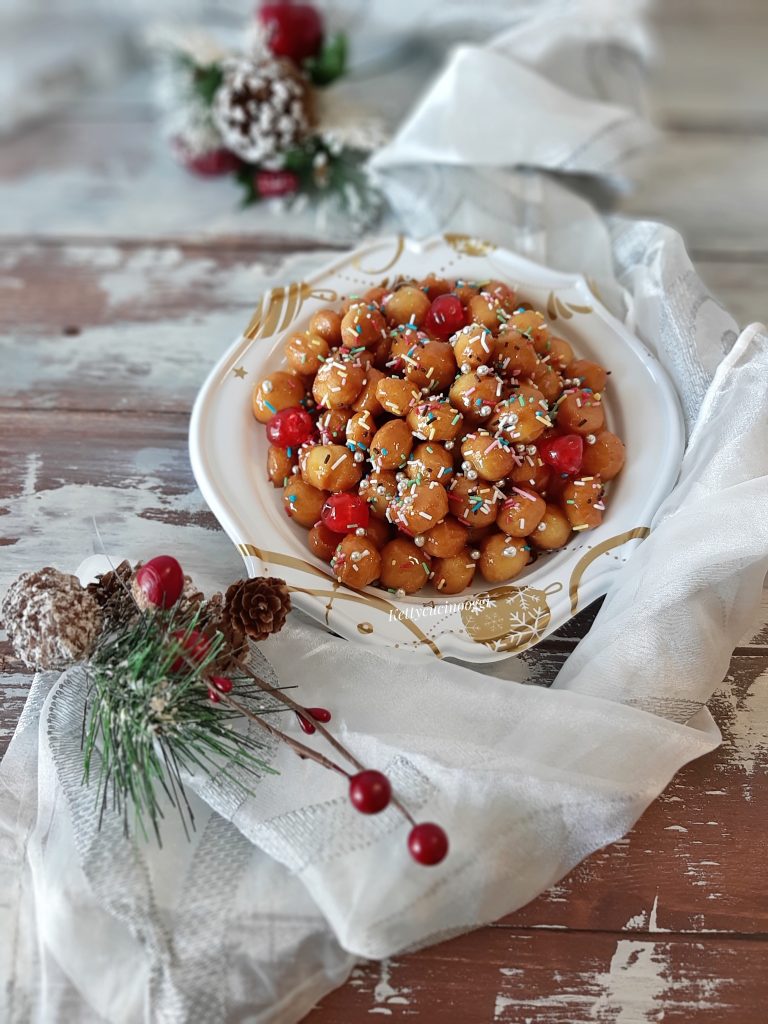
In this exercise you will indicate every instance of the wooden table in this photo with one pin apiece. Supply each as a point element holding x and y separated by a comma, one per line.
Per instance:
<point>105,339</point>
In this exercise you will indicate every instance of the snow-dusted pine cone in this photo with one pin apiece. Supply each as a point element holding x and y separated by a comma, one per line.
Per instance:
<point>213,619</point>
<point>112,591</point>
<point>258,606</point>
<point>261,108</point>
<point>50,619</point>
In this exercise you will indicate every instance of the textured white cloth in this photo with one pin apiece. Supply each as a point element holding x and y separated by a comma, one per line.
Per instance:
<point>278,894</point>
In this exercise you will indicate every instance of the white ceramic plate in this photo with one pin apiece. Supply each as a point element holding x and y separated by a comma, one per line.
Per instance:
<point>228,451</point>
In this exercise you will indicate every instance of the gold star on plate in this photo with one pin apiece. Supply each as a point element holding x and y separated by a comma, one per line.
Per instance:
<point>240,371</point>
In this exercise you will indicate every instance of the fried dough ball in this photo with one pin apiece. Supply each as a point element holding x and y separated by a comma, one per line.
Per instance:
<point>521,513</point>
<point>513,353</point>
<point>604,457</point>
<point>274,393</point>
<point>360,432</point>
<point>330,467</point>
<point>303,503</point>
<point>332,425</point>
<point>580,412</point>
<point>367,401</point>
<point>446,539</point>
<point>533,325</point>
<point>473,346</point>
<point>491,457</point>
<point>553,530</point>
<point>379,531</point>
<point>338,382</point>
<point>475,396</point>
<point>322,541</point>
<point>306,353</point>
<point>465,291</point>
<point>376,294</point>
<point>431,365</point>
<point>582,503</point>
<point>474,502</point>
<point>363,324</point>
<point>531,472</point>
<point>404,567</point>
<point>547,380</point>
<point>396,396</point>
<point>280,464</point>
<point>433,286</point>
<point>476,534</point>
<point>484,309</point>
<point>454,573</point>
<point>430,461</point>
<point>560,353</point>
<point>588,374</point>
<point>522,418</point>
<point>326,324</point>
<point>406,305</point>
<point>502,558</point>
<point>435,420</point>
<point>418,507</point>
<point>503,294</point>
<point>379,489</point>
<point>391,445</point>
<point>356,561</point>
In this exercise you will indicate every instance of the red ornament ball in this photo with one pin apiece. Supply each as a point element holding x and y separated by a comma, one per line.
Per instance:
<point>563,453</point>
<point>369,791</point>
<point>446,315</point>
<point>272,184</point>
<point>290,428</point>
<point>160,580</point>
<point>212,164</point>
<point>194,645</point>
<point>427,843</point>
<point>293,30</point>
<point>344,513</point>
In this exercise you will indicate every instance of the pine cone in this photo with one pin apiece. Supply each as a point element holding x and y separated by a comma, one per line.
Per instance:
<point>112,591</point>
<point>234,650</point>
<point>258,606</point>
<point>51,620</point>
<point>261,108</point>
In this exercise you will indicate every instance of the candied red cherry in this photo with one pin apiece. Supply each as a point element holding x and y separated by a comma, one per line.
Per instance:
<point>427,843</point>
<point>344,512</point>
<point>370,791</point>
<point>290,428</point>
<point>563,453</point>
<point>446,316</point>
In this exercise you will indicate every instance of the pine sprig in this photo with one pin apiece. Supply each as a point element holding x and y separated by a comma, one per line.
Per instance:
<point>148,719</point>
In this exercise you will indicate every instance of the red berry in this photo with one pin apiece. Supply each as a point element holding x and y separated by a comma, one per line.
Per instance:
<point>270,184</point>
<point>290,428</point>
<point>195,646</point>
<point>446,316</point>
<point>563,453</point>
<point>222,684</point>
<point>370,791</point>
<point>306,725</point>
<point>428,844</point>
<point>213,697</point>
<point>293,30</point>
<point>161,581</point>
<point>212,164</point>
<point>344,513</point>
<point>320,714</point>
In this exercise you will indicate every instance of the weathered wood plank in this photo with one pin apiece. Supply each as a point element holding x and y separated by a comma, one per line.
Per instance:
<point>517,977</point>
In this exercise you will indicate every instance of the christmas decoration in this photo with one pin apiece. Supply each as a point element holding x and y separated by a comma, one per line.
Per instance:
<point>258,606</point>
<point>112,591</point>
<point>370,791</point>
<point>428,843</point>
<point>158,583</point>
<point>50,619</point>
<point>293,30</point>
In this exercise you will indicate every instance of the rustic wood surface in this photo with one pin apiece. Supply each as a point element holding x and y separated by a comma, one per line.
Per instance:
<point>103,342</point>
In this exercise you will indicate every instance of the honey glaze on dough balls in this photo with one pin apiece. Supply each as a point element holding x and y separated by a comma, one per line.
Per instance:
<point>531,472</point>
<point>446,539</point>
<point>418,507</point>
<point>523,417</point>
<point>391,445</point>
<point>330,467</point>
<point>582,503</point>
<point>280,465</point>
<point>396,396</point>
<point>377,530</point>
<point>303,503</point>
<point>404,567</point>
<point>430,461</point>
<point>491,457</point>
<point>453,574</point>
<point>502,558</point>
<point>337,383</point>
<point>356,561</point>
<point>503,294</point>
<point>431,365</point>
<point>553,530</point>
<point>533,325</point>
<point>473,346</point>
<point>379,489</point>
<point>603,457</point>
<point>580,412</point>
<point>485,309</point>
<point>332,425</point>
<point>363,324</point>
<point>560,353</point>
<point>406,305</point>
<point>587,374</point>
<point>475,396</point>
<point>513,353</point>
<point>521,513</point>
<point>435,420</point>
<point>549,382</point>
<point>306,353</point>
<point>274,393</point>
<point>474,502</point>
<point>322,541</point>
<point>361,429</point>
<point>326,324</point>
<point>367,401</point>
